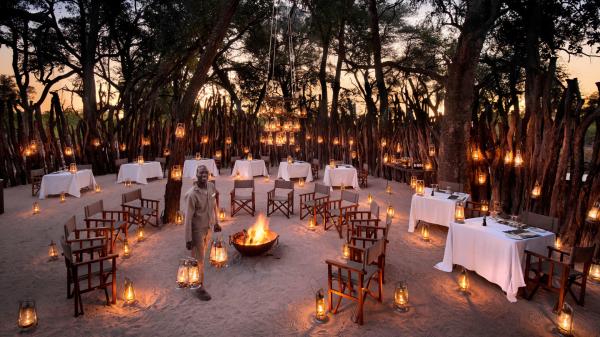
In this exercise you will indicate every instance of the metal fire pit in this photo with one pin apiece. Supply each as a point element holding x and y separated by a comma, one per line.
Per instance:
<point>237,240</point>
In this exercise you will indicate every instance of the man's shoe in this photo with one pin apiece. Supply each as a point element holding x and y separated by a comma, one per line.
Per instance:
<point>202,294</point>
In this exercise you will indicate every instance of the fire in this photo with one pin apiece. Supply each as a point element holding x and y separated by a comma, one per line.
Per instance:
<point>259,232</point>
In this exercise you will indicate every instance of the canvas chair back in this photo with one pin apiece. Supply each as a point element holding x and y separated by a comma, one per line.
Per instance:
<point>94,208</point>
<point>322,189</point>
<point>349,196</point>
<point>37,173</point>
<point>315,161</point>
<point>234,159</point>
<point>541,221</point>
<point>284,185</point>
<point>373,252</point>
<point>67,252</point>
<point>374,210</point>
<point>161,160</point>
<point>84,167</point>
<point>188,157</point>
<point>456,187</point>
<point>119,162</point>
<point>131,196</point>
<point>583,255</point>
<point>69,226</point>
<point>365,167</point>
<point>243,184</point>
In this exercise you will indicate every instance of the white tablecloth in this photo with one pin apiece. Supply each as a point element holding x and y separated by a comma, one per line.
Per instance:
<point>438,209</point>
<point>490,253</point>
<point>190,166</point>
<point>250,168</point>
<point>295,170</point>
<point>58,182</point>
<point>140,173</point>
<point>346,175</point>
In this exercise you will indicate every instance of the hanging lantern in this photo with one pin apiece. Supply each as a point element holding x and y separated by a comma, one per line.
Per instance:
<point>27,315</point>
<point>128,292</point>
<point>62,197</point>
<point>425,232</point>
<point>536,191</point>
<point>320,313</point>
<point>179,218</point>
<point>459,212</point>
<point>558,243</point>
<point>345,251</point>
<point>52,251</point>
<point>518,159</point>
<point>431,150</point>
<point>126,249</point>
<point>140,160</point>
<point>222,214</point>
<point>383,142</point>
<point>398,148</point>
<point>122,147</point>
<point>145,141</point>
<point>36,208</point>
<point>68,151</point>
<point>401,297</point>
<point>73,168</point>
<point>176,172</point>
<point>390,211</point>
<point>180,131</point>
<point>204,139</point>
<point>33,146</point>
<point>141,235</point>
<point>246,150</point>
<point>301,182</point>
<point>413,182</point>
<point>370,198</point>
<point>127,182</point>
<point>27,152</point>
<point>595,272</point>
<point>484,206</point>
<point>308,137</point>
<point>353,154</point>
<point>218,253</point>
<point>463,281</point>
<point>565,320</point>
<point>420,188</point>
<point>336,141</point>
<point>481,178</point>
<point>428,166</point>
<point>311,224</point>
<point>320,140</point>
<point>351,142</point>
<point>182,274</point>
<point>96,142</point>
<point>508,158</point>
<point>193,273</point>
<point>594,212</point>
<point>475,154</point>
<point>228,140</point>
<point>386,158</point>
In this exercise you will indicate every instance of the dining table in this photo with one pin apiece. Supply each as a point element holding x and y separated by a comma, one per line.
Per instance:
<point>249,168</point>
<point>190,166</point>
<point>65,181</point>
<point>434,209</point>
<point>140,172</point>
<point>341,174</point>
<point>296,169</point>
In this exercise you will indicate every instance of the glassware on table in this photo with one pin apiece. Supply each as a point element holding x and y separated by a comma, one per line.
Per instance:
<point>449,190</point>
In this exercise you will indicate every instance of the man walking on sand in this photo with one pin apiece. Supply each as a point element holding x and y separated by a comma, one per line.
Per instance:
<point>201,213</point>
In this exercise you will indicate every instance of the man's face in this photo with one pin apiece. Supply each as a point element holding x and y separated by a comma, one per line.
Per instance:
<point>202,176</point>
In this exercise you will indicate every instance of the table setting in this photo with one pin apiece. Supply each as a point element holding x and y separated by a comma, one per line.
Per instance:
<point>140,172</point>
<point>65,181</point>
<point>295,169</point>
<point>341,174</point>
<point>190,166</point>
<point>435,206</point>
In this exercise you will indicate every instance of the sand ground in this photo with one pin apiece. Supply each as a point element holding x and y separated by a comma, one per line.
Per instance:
<point>266,296</point>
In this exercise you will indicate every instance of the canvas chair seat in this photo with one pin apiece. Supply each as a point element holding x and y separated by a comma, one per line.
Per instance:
<point>82,271</point>
<point>281,194</point>
<point>243,196</point>
<point>557,270</point>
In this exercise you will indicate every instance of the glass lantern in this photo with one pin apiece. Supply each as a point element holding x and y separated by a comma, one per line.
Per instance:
<point>180,131</point>
<point>182,273</point>
<point>176,172</point>
<point>179,218</point>
<point>425,232</point>
<point>52,251</point>
<point>198,156</point>
<point>320,311</point>
<point>401,297</point>
<point>193,273</point>
<point>565,320</point>
<point>536,191</point>
<point>73,168</point>
<point>459,212</point>
<point>420,187</point>
<point>463,281</point>
<point>413,182</point>
<point>36,208</point>
<point>218,253</point>
<point>594,213</point>
<point>27,315</point>
<point>128,292</point>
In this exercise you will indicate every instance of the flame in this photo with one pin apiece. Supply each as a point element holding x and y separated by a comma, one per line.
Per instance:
<point>259,232</point>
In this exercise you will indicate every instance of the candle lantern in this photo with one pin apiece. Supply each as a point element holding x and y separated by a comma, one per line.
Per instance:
<point>98,188</point>
<point>390,211</point>
<point>127,182</point>
<point>594,213</point>
<point>52,251</point>
<point>485,206</point>
<point>536,191</point>
<point>62,197</point>
<point>246,150</point>
<point>145,141</point>
<point>96,142</point>
<point>401,297</point>
<point>122,147</point>
<point>198,156</point>
<point>518,159</point>
<point>27,152</point>
<point>68,151</point>
<point>565,320</point>
<point>558,243</point>
<point>428,166</point>
<point>383,142</point>
<point>126,249</point>
<point>301,182</point>
<point>346,251</point>
<point>128,292</point>
<point>176,172</point>
<point>228,140</point>
<point>36,208</point>
<point>595,272</point>
<point>420,188</point>
<point>353,154</point>
<point>431,150</point>
<point>311,224</point>
<point>180,131</point>
<point>398,148</point>
<point>218,253</point>
<point>218,154</point>
<point>332,163</point>
<point>508,158</point>
<point>386,158</point>
<point>289,159</point>
<point>320,313</point>
<point>297,148</point>
<point>179,218</point>
<point>141,235</point>
<point>222,214</point>
<point>73,168</point>
<point>182,274</point>
<point>481,178</point>
<point>370,198</point>
<point>193,273</point>
<point>166,152</point>
<point>459,211</point>
<point>267,178</point>
<point>351,142</point>
<point>413,182</point>
<point>27,315</point>
<point>204,139</point>
<point>33,146</point>
<point>388,188</point>
<point>336,141</point>
<point>237,175</point>
<point>463,281</point>
<point>250,156</point>
<point>140,160</point>
<point>425,232</point>
<point>320,140</point>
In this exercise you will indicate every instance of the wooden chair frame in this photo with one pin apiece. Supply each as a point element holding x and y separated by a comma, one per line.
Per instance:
<point>88,239</point>
<point>315,166</point>
<point>248,205</point>
<point>310,204</point>
<point>363,175</point>
<point>118,163</point>
<point>339,220</point>
<point>116,221</point>
<point>140,215</point>
<point>368,231</point>
<point>36,176</point>
<point>284,206</point>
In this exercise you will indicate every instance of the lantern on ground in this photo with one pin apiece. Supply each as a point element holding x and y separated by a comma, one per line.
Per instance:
<point>73,168</point>
<point>594,213</point>
<point>182,274</point>
<point>122,147</point>
<point>463,281</point>
<point>508,158</point>
<point>127,182</point>
<point>267,178</point>
<point>413,182</point>
<point>459,212</point>
<point>180,131</point>
<point>595,272</point>
<point>425,232</point>
<point>193,274</point>
<point>222,214</point>
<point>27,315</point>
<point>388,188</point>
<point>218,154</point>
<point>36,208</point>
<point>97,188</point>
<point>96,142</point>
<point>126,249</point>
<point>345,251</point>
<point>536,191</point>
<point>311,224</point>
<point>481,178</point>
<point>518,159</point>
<point>390,211</point>
<point>68,151</point>
<point>140,160</point>
<point>52,251</point>
<point>420,189</point>
<point>565,320</point>
<point>62,197</point>
<point>176,172</point>
<point>401,297</point>
<point>301,182</point>
<point>218,253</point>
<point>179,218</point>
<point>370,198</point>
<point>228,140</point>
<point>431,150</point>
<point>204,139</point>
<point>485,206</point>
<point>141,235</point>
<point>320,313</point>
<point>128,292</point>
